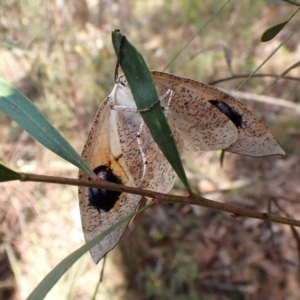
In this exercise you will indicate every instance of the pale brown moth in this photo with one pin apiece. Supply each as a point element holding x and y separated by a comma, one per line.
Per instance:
<point>119,147</point>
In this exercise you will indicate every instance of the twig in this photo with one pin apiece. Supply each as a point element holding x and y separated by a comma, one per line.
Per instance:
<point>294,231</point>
<point>193,37</point>
<point>269,57</point>
<point>294,66</point>
<point>164,198</point>
<point>253,76</point>
<point>264,99</point>
<point>292,2</point>
<point>100,278</point>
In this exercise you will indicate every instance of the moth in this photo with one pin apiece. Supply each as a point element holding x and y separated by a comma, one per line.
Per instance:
<point>120,148</point>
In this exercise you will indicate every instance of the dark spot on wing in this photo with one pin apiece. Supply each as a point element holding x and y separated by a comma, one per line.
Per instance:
<point>102,199</point>
<point>230,112</point>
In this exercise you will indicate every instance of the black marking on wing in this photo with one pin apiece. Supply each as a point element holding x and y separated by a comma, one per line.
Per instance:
<point>102,199</point>
<point>229,111</point>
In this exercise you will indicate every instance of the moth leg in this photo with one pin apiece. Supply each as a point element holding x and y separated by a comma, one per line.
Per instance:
<point>144,158</point>
<point>150,107</point>
<point>124,108</point>
<point>167,96</point>
<point>172,132</point>
<point>133,109</point>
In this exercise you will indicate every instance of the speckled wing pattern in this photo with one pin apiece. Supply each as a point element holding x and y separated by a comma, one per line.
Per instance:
<point>201,118</point>
<point>112,142</point>
<point>192,118</point>
<point>103,148</point>
<point>159,175</point>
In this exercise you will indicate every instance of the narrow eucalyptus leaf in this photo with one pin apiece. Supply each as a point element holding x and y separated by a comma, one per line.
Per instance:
<point>26,114</point>
<point>7,174</point>
<point>52,278</point>
<point>271,32</point>
<point>145,96</point>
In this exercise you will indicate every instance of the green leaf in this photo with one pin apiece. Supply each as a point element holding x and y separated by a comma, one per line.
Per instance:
<point>26,114</point>
<point>145,95</point>
<point>269,57</point>
<point>291,2</point>
<point>52,278</point>
<point>12,45</point>
<point>7,174</point>
<point>270,33</point>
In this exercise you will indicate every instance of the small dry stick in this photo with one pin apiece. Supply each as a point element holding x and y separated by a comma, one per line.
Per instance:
<point>165,198</point>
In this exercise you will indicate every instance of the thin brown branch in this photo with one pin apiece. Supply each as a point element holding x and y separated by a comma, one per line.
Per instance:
<point>292,2</point>
<point>264,99</point>
<point>165,198</point>
<point>253,76</point>
<point>294,231</point>
<point>294,66</point>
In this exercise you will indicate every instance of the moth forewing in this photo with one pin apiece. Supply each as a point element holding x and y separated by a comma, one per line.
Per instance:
<point>128,125</point>
<point>99,222</point>
<point>98,213</point>
<point>159,175</point>
<point>200,124</point>
<point>252,137</point>
<point>255,138</point>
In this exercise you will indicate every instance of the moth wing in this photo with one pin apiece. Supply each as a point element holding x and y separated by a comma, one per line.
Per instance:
<point>200,124</point>
<point>128,128</point>
<point>254,137</point>
<point>159,175</point>
<point>103,148</point>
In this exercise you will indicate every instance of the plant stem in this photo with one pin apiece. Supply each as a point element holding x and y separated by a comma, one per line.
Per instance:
<point>165,198</point>
<point>253,76</point>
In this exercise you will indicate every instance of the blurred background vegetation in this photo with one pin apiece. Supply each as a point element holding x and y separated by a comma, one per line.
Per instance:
<point>59,54</point>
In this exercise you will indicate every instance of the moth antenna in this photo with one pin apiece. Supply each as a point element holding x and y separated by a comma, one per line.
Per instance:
<point>119,58</point>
